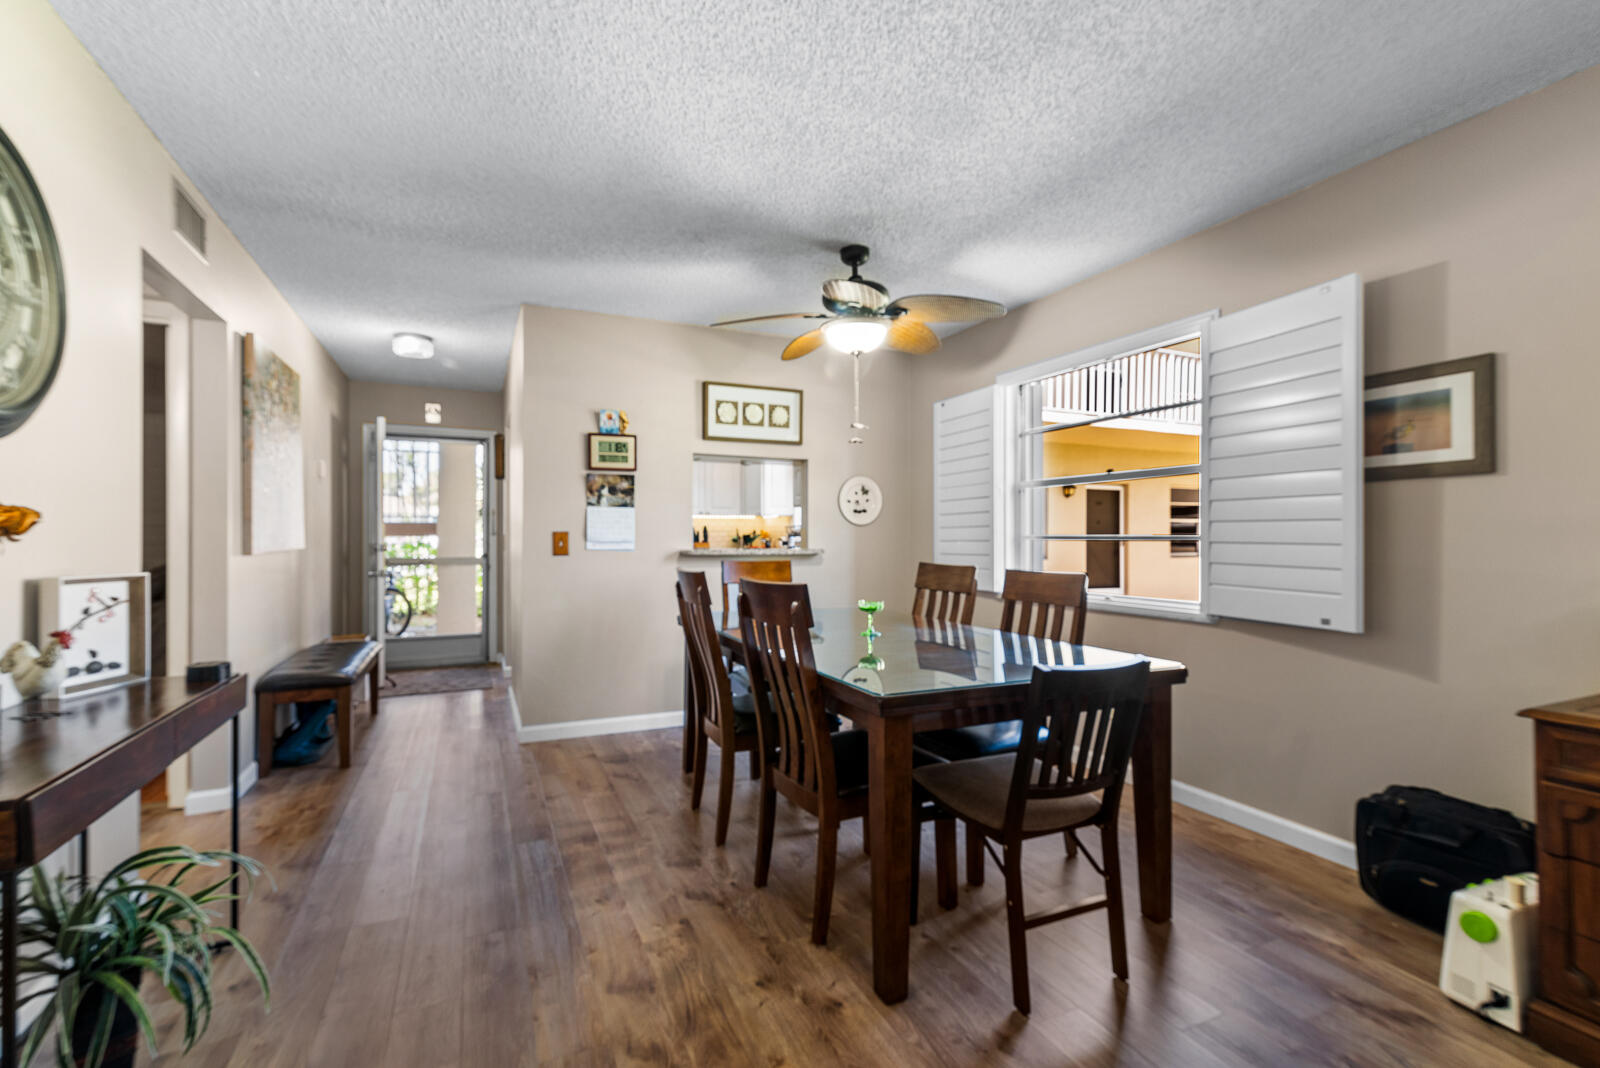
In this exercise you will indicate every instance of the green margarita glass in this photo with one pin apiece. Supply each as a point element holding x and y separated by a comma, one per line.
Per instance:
<point>870,607</point>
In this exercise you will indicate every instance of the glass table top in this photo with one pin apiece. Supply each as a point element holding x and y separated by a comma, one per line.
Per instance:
<point>910,658</point>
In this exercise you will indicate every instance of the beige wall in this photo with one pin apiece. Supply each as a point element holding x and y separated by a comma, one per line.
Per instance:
<point>108,185</point>
<point>597,634</point>
<point>401,405</point>
<point>1483,592</point>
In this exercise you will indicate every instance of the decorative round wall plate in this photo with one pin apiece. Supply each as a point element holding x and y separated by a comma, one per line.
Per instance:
<point>860,500</point>
<point>33,306</point>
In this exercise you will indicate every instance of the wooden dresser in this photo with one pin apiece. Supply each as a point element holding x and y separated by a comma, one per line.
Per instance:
<point>1565,1017</point>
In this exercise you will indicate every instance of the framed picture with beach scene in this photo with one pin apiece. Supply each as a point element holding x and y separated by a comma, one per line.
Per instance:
<point>1433,420</point>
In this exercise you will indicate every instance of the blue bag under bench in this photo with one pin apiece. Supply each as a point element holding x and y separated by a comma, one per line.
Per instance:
<point>326,672</point>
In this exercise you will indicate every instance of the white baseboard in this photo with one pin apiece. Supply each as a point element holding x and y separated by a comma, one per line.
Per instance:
<point>1298,835</point>
<point>1309,839</point>
<point>219,799</point>
<point>589,728</point>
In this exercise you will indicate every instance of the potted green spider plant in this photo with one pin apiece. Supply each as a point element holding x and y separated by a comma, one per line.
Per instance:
<point>92,944</point>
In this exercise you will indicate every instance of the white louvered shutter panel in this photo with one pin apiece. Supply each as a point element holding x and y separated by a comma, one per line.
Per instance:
<point>1282,476</point>
<point>966,493</point>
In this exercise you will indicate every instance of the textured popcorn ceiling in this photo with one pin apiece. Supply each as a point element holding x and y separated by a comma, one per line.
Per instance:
<point>430,164</point>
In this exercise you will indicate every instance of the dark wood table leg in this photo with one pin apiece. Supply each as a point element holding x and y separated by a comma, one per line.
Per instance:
<point>344,699</point>
<point>1152,804</point>
<point>233,822</point>
<point>891,825</point>
<point>266,732</point>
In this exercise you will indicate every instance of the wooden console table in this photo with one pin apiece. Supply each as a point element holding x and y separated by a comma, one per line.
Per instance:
<point>64,763</point>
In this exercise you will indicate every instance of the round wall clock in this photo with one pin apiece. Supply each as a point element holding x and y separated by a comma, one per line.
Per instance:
<point>860,500</point>
<point>33,304</point>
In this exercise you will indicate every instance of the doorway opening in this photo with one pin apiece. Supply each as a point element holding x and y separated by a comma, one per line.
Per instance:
<point>430,532</point>
<point>1103,517</point>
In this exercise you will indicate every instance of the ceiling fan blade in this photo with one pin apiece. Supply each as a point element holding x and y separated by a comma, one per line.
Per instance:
<point>768,318</point>
<point>803,344</point>
<point>910,335</point>
<point>845,291</point>
<point>939,308</point>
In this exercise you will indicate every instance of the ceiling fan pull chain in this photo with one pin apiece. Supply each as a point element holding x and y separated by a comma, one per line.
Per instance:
<point>857,424</point>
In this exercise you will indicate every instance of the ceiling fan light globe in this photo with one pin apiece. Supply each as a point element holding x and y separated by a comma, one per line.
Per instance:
<point>856,333</point>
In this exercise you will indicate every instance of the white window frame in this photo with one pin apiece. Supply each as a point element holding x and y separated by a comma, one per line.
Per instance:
<point>1019,553</point>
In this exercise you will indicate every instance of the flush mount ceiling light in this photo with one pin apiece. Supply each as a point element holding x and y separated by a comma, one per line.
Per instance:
<point>856,333</point>
<point>413,346</point>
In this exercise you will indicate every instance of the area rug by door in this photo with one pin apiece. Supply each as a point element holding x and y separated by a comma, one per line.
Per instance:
<point>441,680</point>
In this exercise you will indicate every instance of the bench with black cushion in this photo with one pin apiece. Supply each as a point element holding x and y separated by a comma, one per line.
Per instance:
<point>326,672</point>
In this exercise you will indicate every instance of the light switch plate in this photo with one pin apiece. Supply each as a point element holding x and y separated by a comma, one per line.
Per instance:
<point>558,543</point>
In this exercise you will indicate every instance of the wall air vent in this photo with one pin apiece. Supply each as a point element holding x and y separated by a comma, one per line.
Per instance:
<point>188,220</point>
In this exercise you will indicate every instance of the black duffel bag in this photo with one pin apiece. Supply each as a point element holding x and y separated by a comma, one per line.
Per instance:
<point>1416,847</point>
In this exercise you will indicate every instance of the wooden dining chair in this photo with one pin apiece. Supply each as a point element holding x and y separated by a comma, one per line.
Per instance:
<point>1038,602</point>
<point>1040,599</point>
<point>724,716</point>
<point>823,772</point>
<point>1078,729</point>
<point>736,571</point>
<point>946,593</point>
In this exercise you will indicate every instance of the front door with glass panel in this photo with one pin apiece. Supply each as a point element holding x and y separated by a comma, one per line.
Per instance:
<point>429,533</point>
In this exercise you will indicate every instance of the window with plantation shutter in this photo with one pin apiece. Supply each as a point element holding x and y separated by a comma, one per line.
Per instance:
<point>967,485</point>
<point>1282,478</point>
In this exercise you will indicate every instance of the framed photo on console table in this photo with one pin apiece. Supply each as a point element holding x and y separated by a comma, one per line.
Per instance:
<point>1433,420</point>
<point>108,618</point>
<point>732,412</point>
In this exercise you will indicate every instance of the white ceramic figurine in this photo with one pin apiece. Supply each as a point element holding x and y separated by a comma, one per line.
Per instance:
<point>32,672</point>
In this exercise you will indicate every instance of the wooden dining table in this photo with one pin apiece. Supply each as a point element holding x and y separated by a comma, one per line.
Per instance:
<point>919,676</point>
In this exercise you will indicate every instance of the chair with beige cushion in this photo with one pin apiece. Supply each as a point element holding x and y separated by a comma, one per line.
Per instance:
<point>822,771</point>
<point>1037,604</point>
<point>1077,735</point>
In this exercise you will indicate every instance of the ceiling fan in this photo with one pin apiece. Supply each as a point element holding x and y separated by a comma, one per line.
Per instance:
<point>861,318</point>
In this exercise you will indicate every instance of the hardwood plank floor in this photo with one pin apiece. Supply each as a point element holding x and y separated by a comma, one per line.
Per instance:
<point>454,900</point>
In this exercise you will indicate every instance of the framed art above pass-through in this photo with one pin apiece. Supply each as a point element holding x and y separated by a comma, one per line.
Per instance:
<point>731,412</point>
<point>1430,421</point>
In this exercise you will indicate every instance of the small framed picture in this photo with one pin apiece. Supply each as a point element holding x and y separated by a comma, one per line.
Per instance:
<point>613,452</point>
<point>732,412</point>
<point>1429,421</point>
<point>107,618</point>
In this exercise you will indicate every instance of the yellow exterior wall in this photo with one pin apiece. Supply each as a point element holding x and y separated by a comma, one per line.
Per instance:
<point>1149,568</point>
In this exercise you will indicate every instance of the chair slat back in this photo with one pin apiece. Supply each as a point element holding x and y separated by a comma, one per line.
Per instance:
<point>1078,729</point>
<point>1037,603</point>
<point>708,676</point>
<point>775,621</point>
<point>736,571</point>
<point>945,593</point>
